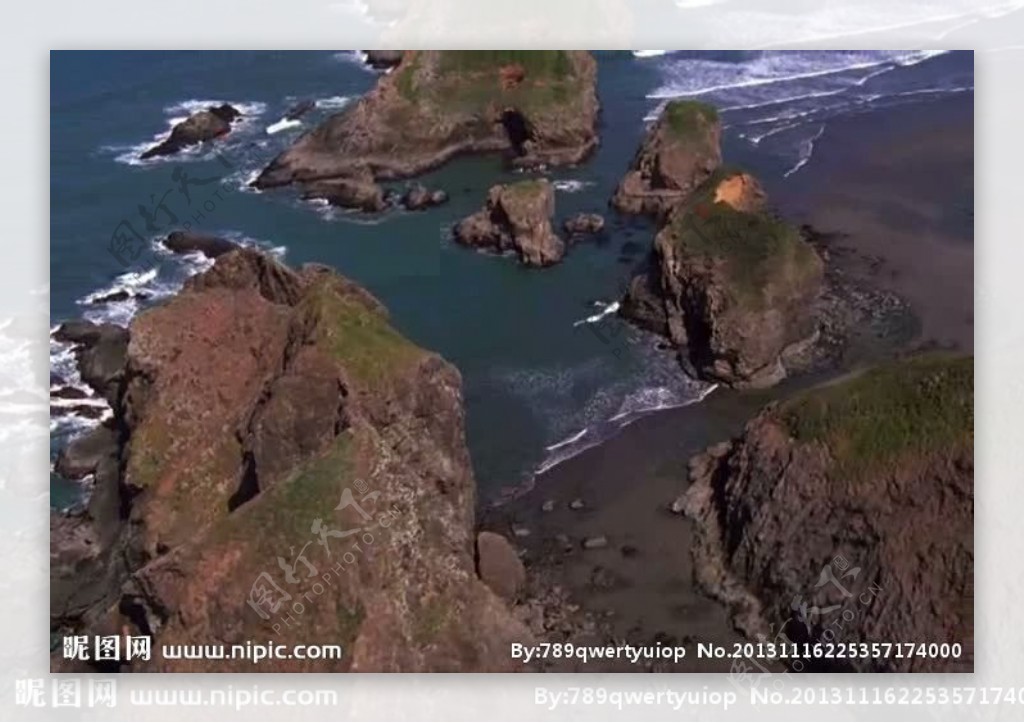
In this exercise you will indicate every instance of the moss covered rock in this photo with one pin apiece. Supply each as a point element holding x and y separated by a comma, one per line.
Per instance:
<point>732,286</point>
<point>846,514</point>
<point>537,107</point>
<point>294,470</point>
<point>679,152</point>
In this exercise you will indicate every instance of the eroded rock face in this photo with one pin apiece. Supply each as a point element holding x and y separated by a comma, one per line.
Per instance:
<point>846,514</point>
<point>517,218</point>
<point>583,224</point>
<point>678,153</point>
<point>358,191</point>
<point>438,104</point>
<point>731,286</point>
<point>279,439</point>
<point>204,125</point>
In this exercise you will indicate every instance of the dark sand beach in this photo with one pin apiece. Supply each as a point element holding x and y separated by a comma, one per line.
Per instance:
<point>887,188</point>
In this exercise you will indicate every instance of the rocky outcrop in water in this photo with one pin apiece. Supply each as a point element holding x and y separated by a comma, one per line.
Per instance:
<point>419,198</point>
<point>730,285</point>
<point>286,468</point>
<point>187,242</point>
<point>846,515</point>
<point>202,126</point>
<point>517,218</point>
<point>536,107</point>
<point>583,224</point>
<point>678,153</point>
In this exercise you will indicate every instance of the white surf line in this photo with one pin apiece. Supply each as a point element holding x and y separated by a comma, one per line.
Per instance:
<point>606,311</point>
<point>805,157</point>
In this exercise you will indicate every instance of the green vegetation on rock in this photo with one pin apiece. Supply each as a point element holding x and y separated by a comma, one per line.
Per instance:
<point>687,118</point>
<point>916,406</point>
<point>755,248</point>
<point>360,338</point>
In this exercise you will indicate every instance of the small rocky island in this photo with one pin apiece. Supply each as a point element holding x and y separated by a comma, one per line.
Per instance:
<point>680,151</point>
<point>275,440</point>
<point>200,127</point>
<point>516,218</point>
<point>536,107</point>
<point>858,494</point>
<point>732,286</point>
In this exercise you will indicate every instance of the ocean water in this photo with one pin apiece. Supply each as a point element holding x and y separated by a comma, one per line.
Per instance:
<point>548,370</point>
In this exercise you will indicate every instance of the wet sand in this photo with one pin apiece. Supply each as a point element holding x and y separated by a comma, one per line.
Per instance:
<point>897,185</point>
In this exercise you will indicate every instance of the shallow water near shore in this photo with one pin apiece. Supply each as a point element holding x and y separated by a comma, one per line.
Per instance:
<point>533,377</point>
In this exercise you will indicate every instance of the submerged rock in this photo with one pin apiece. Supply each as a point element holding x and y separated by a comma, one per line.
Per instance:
<point>679,152</point>
<point>517,218</point>
<point>436,105</point>
<point>849,505</point>
<point>204,125</point>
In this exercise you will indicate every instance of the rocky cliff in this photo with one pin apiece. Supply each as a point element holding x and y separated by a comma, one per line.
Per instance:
<point>732,286</point>
<point>516,218</point>
<point>538,107</point>
<point>678,153</point>
<point>846,515</point>
<point>283,466</point>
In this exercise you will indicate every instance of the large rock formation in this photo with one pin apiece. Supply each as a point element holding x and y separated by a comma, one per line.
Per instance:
<point>202,126</point>
<point>538,107</point>
<point>287,468</point>
<point>517,218</point>
<point>730,285</point>
<point>846,515</point>
<point>679,152</point>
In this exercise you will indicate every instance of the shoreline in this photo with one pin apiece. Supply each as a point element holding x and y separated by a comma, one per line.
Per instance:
<point>640,582</point>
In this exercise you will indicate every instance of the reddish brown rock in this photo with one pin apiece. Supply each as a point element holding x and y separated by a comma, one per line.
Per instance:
<point>846,515</point>
<point>204,125</point>
<point>730,285</point>
<point>499,566</point>
<point>282,444</point>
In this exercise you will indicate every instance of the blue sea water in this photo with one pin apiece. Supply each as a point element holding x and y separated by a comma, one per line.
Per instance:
<point>541,383</point>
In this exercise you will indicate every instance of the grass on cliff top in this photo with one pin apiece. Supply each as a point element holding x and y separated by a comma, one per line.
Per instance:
<point>915,406</point>
<point>755,247</point>
<point>363,341</point>
<point>552,64</point>
<point>684,117</point>
<point>469,80</point>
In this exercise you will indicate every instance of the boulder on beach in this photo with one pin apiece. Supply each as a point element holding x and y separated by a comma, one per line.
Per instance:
<point>517,218</point>
<point>848,507</point>
<point>436,105</point>
<point>499,566</point>
<point>678,153</point>
<point>201,126</point>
